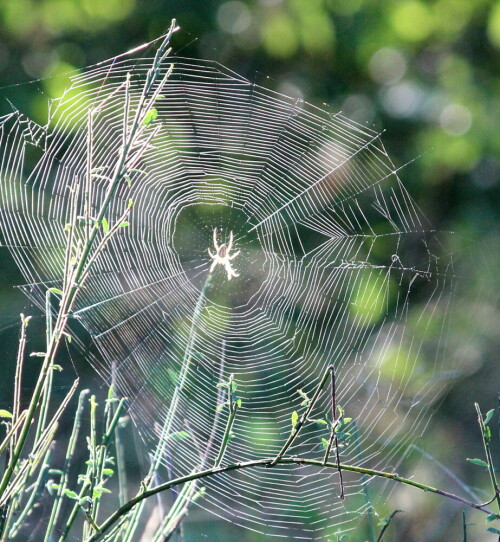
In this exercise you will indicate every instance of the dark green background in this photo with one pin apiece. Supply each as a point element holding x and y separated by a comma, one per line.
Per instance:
<point>425,71</point>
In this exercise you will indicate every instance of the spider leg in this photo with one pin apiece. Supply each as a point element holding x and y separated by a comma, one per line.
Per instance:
<point>233,256</point>
<point>215,240</point>
<point>214,263</point>
<point>230,244</point>
<point>213,256</point>
<point>230,271</point>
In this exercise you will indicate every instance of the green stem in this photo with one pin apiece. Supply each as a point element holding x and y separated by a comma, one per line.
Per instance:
<point>487,450</point>
<point>268,462</point>
<point>63,482</point>
<point>298,426</point>
<point>172,410</point>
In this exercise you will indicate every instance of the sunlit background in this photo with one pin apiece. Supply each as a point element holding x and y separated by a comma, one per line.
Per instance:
<point>426,72</point>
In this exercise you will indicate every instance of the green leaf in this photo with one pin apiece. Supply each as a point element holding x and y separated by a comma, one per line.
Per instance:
<point>221,406</point>
<point>5,413</point>
<point>489,415</point>
<point>108,472</point>
<point>295,418</point>
<point>324,442</point>
<point>303,395</point>
<point>56,368</point>
<point>323,422</point>
<point>105,225</point>
<point>150,116</point>
<point>123,224</point>
<point>492,517</point>
<point>238,403</point>
<point>179,435</point>
<point>37,354</point>
<point>71,494</point>
<point>51,487</point>
<point>493,530</point>
<point>478,462</point>
<point>103,489</point>
<point>56,291</point>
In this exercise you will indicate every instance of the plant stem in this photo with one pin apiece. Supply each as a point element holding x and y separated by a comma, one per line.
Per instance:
<point>172,410</point>
<point>386,525</point>
<point>298,426</point>
<point>486,436</point>
<point>269,462</point>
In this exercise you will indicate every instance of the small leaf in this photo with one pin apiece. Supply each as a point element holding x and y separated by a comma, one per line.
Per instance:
<point>323,422</point>
<point>108,472</point>
<point>104,489</point>
<point>324,442</point>
<point>150,116</point>
<point>179,435</point>
<point>478,462</point>
<point>5,413</point>
<point>37,354</point>
<point>56,368</point>
<point>238,403</point>
<point>303,395</point>
<point>123,224</point>
<point>492,517</point>
<point>130,203</point>
<point>71,494</point>
<point>295,418</point>
<point>493,530</point>
<point>55,471</point>
<point>489,415</point>
<point>56,291</point>
<point>105,225</point>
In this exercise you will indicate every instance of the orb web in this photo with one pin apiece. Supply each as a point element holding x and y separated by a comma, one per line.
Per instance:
<point>337,266</point>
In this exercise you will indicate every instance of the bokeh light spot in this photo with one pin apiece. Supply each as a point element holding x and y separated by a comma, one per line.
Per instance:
<point>412,20</point>
<point>455,119</point>
<point>387,66</point>
<point>493,28</point>
<point>279,37</point>
<point>234,17</point>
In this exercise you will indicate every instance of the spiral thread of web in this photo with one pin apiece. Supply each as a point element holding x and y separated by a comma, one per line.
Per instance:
<point>336,266</point>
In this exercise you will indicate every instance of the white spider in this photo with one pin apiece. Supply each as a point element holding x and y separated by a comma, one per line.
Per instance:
<point>223,256</point>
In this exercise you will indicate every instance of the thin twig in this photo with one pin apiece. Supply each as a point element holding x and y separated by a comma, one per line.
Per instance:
<point>268,462</point>
<point>333,436</point>
<point>298,426</point>
<point>387,523</point>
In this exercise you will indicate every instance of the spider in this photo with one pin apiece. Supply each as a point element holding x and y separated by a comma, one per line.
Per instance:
<point>223,256</point>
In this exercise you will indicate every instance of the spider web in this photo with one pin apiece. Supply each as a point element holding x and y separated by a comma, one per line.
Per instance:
<point>337,266</point>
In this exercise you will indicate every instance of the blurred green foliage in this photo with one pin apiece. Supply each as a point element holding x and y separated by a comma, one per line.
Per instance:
<point>425,70</point>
